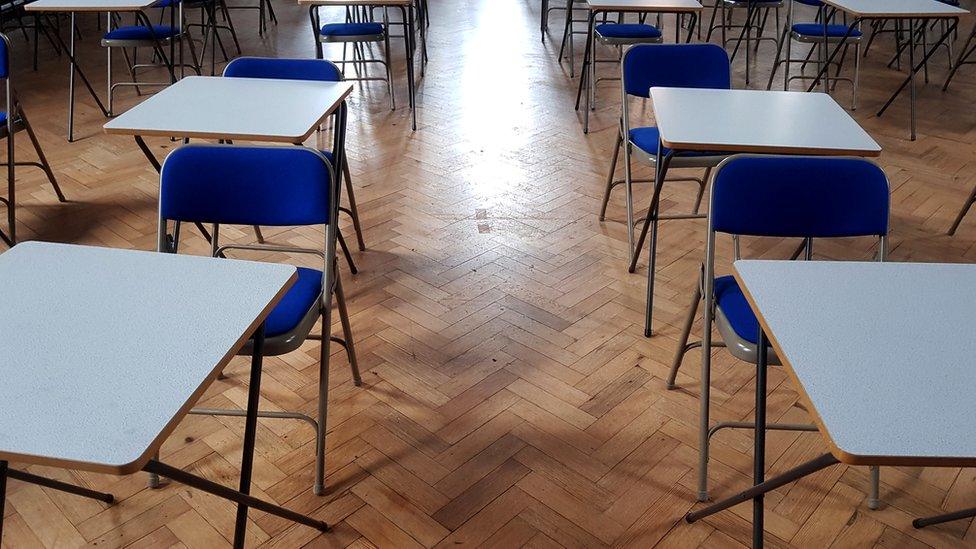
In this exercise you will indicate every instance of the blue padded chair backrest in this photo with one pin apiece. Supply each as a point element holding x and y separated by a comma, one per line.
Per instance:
<point>4,56</point>
<point>675,66</point>
<point>284,69</point>
<point>814,197</point>
<point>240,185</point>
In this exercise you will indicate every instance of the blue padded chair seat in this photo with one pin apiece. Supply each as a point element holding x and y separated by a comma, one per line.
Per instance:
<point>816,29</point>
<point>3,118</point>
<point>295,305</point>
<point>141,32</point>
<point>646,139</point>
<point>352,29</point>
<point>627,30</point>
<point>729,298</point>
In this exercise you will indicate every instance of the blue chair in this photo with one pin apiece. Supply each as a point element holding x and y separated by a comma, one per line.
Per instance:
<point>271,186</point>
<point>782,197</point>
<point>358,30</point>
<point>813,33</point>
<point>144,34</point>
<point>13,119</point>
<point>616,35</point>
<point>305,69</point>
<point>665,65</point>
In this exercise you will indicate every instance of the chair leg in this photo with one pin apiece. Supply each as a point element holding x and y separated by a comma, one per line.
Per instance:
<point>45,165</point>
<point>679,353</point>
<point>11,239</point>
<point>389,70</point>
<point>258,234</point>
<point>873,497</point>
<point>963,212</point>
<point>701,189</point>
<point>347,332</point>
<point>613,166</point>
<point>353,210</point>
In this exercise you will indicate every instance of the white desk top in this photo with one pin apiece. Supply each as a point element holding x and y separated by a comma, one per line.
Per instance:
<point>667,6</point>
<point>250,109</point>
<point>104,350</point>
<point>883,352</point>
<point>88,5</point>
<point>896,8</point>
<point>758,121</point>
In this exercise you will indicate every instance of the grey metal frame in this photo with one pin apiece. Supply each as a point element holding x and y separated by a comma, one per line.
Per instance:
<point>737,346</point>
<point>357,50</point>
<point>289,341</point>
<point>706,162</point>
<point>155,43</point>
<point>17,121</point>
<point>820,42</point>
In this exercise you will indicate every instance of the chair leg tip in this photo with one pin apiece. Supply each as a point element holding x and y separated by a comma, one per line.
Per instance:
<point>702,496</point>
<point>671,386</point>
<point>318,490</point>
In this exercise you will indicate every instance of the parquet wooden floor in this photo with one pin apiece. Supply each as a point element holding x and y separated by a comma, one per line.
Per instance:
<point>510,398</point>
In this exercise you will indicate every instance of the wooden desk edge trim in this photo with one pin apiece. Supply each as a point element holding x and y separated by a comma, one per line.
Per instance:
<point>137,465</point>
<point>842,456</point>
<point>735,149</point>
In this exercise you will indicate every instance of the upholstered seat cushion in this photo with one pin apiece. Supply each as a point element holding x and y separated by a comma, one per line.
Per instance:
<point>627,30</point>
<point>646,139</point>
<point>352,29</point>
<point>141,32</point>
<point>295,305</point>
<point>729,298</point>
<point>814,30</point>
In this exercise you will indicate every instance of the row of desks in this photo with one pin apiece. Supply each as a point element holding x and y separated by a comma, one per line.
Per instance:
<point>259,116</point>
<point>861,10</point>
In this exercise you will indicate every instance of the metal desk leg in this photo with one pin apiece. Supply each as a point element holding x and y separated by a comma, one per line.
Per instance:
<point>24,476</point>
<point>250,433</point>
<point>914,68</point>
<point>3,493</point>
<point>587,73</point>
<point>759,453</point>
<point>661,169</point>
<point>964,54</point>
<point>408,39</point>
<point>72,67</point>
<point>221,491</point>
<point>939,519</point>
<point>805,469</point>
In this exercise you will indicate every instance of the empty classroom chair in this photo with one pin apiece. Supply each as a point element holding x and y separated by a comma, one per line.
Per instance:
<point>782,197</point>
<point>270,186</point>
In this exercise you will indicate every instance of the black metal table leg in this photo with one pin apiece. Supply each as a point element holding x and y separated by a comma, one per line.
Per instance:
<point>651,221</point>
<point>821,462</point>
<point>3,493</point>
<point>221,491</point>
<point>915,67</point>
<point>759,452</point>
<point>408,39</point>
<point>948,517</point>
<point>250,433</point>
<point>24,476</point>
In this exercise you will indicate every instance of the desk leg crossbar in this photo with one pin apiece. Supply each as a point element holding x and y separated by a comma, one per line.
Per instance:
<point>241,496</point>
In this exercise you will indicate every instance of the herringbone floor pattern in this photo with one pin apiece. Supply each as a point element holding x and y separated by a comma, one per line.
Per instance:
<point>510,398</point>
